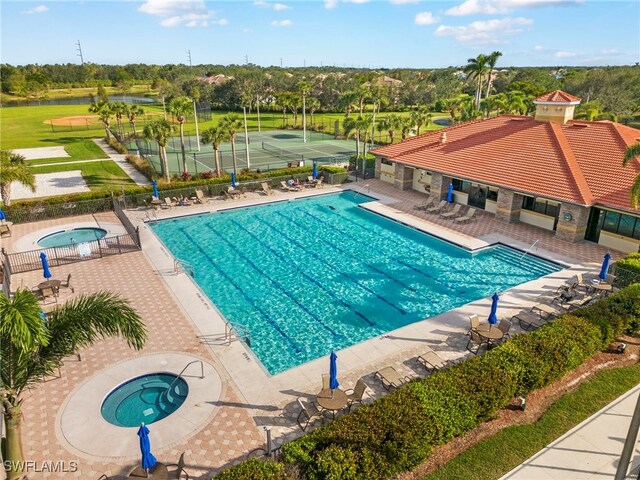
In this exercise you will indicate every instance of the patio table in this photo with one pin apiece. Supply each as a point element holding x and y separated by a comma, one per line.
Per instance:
<point>159,472</point>
<point>332,400</point>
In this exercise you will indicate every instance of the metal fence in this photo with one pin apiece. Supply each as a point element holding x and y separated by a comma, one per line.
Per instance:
<point>45,211</point>
<point>27,261</point>
<point>624,277</point>
<point>131,230</point>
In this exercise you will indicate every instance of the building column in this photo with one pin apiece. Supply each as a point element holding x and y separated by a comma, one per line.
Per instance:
<point>508,206</point>
<point>572,222</point>
<point>404,177</point>
<point>378,167</point>
<point>439,185</point>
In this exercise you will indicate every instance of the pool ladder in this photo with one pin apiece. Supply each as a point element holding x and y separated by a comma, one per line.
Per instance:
<point>241,331</point>
<point>182,371</point>
<point>529,249</point>
<point>183,265</point>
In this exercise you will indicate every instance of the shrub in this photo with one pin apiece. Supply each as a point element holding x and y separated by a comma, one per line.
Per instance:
<point>254,469</point>
<point>116,145</point>
<point>142,166</point>
<point>627,269</point>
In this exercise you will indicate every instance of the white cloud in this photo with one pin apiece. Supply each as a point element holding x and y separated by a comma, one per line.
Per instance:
<point>425,18</point>
<point>564,54</point>
<point>485,32</point>
<point>493,7</point>
<point>278,7</point>
<point>403,2</point>
<point>331,4</point>
<point>181,13</point>
<point>356,1</point>
<point>38,9</point>
<point>282,23</point>
<point>539,48</point>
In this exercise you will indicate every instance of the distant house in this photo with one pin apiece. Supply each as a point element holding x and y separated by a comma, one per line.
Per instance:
<point>549,170</point>
<point>215,79</point>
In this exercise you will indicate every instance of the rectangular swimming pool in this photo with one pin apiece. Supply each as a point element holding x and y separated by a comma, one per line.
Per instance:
<point>318,274</point>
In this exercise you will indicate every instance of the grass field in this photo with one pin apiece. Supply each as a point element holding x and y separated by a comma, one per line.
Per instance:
<point>98,175</point>
<point>497,455</point>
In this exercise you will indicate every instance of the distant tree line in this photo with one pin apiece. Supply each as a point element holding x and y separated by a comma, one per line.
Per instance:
<point>481,87</point>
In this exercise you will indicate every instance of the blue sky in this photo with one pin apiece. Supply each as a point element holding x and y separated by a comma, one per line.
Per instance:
<point>389,33</point>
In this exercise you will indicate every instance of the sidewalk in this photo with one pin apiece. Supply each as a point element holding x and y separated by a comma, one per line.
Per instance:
<point>591,450</point>
<point>129,169</point>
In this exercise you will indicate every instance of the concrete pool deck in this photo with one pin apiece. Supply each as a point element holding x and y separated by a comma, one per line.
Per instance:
<point>181,319</point>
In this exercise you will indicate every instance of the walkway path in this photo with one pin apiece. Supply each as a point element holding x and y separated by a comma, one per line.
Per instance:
<point>129,169</point>
<point>590,450</point>
<point>68,163</point>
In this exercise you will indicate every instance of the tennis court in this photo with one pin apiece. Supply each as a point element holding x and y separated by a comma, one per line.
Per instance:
<point>268,150</point>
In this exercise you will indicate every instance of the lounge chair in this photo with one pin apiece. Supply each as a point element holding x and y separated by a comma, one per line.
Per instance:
<point>529,320</point>
<point>426,204</point>
<point>468,217</point>
<point>287,188</point>
<point>453,212</point>
<point>319,183</point>
<point>309,411</point>
<point>476,342</point>
<point>390,377</point>
<point>200,198</point>
<point>266,188</point>
<point>546,310</point>
<point>437,208</point>
<point>572,299</point>
<point>431,361</point>
<point>356,394</point>
<point>232,192</point>
<point>67,284</point>
<point>4,230</point>
<point>178,472</point>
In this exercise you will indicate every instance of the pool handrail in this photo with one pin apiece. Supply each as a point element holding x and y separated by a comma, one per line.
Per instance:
<point>182,371</point>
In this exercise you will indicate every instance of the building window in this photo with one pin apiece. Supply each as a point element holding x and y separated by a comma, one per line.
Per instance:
<point>492,195</point>
<point>385,161</point>
<point>541,206</point>
<point>460,185</point>
<point>621,224</point>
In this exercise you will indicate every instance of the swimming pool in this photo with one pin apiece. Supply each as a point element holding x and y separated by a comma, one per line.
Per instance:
<point>69,237</point>
<point>318,274</point>
<point>147,399</point>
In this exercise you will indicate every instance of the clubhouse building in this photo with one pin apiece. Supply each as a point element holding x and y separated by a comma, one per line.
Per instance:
<point>548,170</point>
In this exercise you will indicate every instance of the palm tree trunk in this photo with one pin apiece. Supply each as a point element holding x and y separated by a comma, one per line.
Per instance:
<point>133,124</point>
<point>216,157</point>
<point>488,86</point>
<point>392,133</point>
<point>284,118</point>
<point>184,152</point>
<point>233,154</point>
<point>164,166</point>
<point>14,453</point>
<point>5,190</point>
<point>364,155</point>
<point>357,148</point>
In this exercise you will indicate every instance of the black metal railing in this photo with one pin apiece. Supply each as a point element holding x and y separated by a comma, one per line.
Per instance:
<point>45,211</point>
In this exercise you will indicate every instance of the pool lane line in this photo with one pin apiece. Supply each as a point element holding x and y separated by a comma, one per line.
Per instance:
<point>391,257</point>
<point>271,321</point>
<point>349,277</point>
<point>336,336</point>
<point>362,262</point>
<point>314,281</point>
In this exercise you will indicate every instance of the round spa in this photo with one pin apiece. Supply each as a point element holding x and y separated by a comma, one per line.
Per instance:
<point>148,398</point>
<point>70,237</point>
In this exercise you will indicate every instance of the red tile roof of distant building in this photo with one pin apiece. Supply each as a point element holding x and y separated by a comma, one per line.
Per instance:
<point>557,96</point>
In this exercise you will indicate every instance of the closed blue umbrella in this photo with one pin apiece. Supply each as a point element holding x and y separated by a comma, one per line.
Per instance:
<point>315,170</point>
<point>155,189</point>
<point>234,184</point>
<point>333,371</point>
<point>605,266</point>
<point>45,265</point>
<point>493,319</point>
<point>2,215</point>
<point>450,193</point>
<point>148,460</point>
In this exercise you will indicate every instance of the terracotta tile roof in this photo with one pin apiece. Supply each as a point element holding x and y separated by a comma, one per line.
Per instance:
<point>578,162</point>
<point>557,96</point>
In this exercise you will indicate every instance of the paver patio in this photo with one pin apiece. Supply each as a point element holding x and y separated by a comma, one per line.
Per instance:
<point>175,324</point>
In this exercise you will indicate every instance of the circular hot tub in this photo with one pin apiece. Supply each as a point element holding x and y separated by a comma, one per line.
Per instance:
<point>71,237</point>
<point>148,398</point>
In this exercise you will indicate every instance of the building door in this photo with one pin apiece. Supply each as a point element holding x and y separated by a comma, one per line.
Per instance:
<point>596,217</point>
<point>477,196</point>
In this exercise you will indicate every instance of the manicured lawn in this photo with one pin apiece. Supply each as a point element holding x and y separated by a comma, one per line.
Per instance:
<point>98,175</point>
<point>77,148</point>
<point>497,455</point>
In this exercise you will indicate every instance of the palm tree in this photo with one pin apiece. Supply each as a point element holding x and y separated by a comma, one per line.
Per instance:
<point>304,89</point>
<point>476,69</point>
<point>632,153</point>
<point>421,117</point>
<point>405,124</point>
<point>120,109</point>
<point>492,59</point>
<point>215,136</point>
<point>104,111</point>
<point>313,104</point>
<point>160,131</point>
<point>33,349</point>
<point>364,123</point>
<point>179,108</point>
<point>134,111</point>
<point>13,168</point>
<point>231,123</point>
<point>390,124</point>
<point>347,101</point>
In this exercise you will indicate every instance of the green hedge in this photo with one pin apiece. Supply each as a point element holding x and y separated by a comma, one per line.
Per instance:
<point>397,432</point>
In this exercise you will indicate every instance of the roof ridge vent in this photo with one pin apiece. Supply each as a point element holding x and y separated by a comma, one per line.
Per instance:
<point>517,119</point>
<point>580,125</point>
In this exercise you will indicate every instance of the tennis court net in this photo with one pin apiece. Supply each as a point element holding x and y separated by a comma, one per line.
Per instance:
<point>282,153</point>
